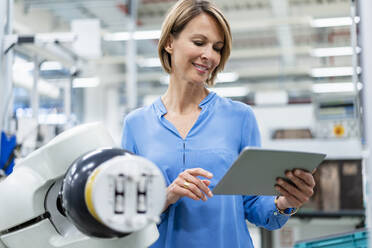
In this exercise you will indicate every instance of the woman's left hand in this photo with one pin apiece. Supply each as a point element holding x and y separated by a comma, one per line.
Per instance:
<point>295,196</point>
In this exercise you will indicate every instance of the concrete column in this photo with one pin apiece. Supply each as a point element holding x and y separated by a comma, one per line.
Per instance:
<point>34,92</point>
<point>67,98</point>
<point>94,104</point>
<point>113,114</point>
<point>6,61</point>
<point>131,82</point>
<point>366,55</point>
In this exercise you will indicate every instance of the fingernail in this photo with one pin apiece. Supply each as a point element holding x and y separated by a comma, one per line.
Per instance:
<point>210,174</point>
<point>210,194</point>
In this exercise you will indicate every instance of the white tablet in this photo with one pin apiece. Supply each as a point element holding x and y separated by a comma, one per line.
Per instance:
<point>256,169</point>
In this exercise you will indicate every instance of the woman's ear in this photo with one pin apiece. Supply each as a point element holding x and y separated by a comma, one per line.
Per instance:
<point>169,45</point>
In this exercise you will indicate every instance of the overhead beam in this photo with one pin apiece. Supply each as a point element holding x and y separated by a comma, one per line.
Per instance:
<point>284,32</point>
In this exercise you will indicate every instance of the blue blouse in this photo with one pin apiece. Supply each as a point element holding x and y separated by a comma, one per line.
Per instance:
<point>223,129</point>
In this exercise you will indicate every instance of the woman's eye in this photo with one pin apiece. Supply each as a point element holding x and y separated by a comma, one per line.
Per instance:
<point>217,49</point>
<point>198,43</point>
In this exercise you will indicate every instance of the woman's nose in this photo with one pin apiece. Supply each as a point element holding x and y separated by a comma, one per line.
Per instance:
<point>207,53</point>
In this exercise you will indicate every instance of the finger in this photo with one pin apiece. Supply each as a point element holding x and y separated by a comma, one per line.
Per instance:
<point>200,172</point>
<point>293,190</point>
<point>192,187</point>
<point>182,192</point>
<point>206,182</point>
<point>304,187</point>
<point>307,177</point>
<point>198,183</point>
<point>293,201</point>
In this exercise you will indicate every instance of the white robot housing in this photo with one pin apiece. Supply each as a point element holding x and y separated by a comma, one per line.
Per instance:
<point>79,191</point>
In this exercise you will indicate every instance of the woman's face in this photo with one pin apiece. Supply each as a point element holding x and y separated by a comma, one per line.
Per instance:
<point>196,51</point>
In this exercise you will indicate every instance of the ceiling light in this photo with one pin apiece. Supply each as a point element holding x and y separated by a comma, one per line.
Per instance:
<point>149,62</point>
<point>138,35</point>
<point>85,82</point>
<point>51,66</point>
<point>231,91</point>
<point>25,80</point>
<point>227,77</point>
<point>271,97</point>
<point>334,71</point>
<point>224,77</point>
<point>23,67</point>
<point>335,87</point>
<point>333,51</point>
<point>333,22</point>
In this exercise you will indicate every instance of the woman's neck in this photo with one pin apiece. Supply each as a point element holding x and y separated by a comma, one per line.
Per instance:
<point>183,97</point>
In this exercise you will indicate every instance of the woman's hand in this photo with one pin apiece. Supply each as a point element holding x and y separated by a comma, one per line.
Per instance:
<point>188,184</point>
<point>294,196</point>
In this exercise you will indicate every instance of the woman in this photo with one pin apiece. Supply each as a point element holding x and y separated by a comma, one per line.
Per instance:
<point>194,135</point>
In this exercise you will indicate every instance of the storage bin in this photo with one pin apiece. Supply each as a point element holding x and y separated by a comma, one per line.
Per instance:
<point>357,239</point>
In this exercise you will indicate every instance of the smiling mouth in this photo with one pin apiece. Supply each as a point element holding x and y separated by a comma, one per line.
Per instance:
<point>200,68</point>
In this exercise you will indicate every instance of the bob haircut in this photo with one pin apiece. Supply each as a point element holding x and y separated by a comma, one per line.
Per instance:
<point>176,20</point>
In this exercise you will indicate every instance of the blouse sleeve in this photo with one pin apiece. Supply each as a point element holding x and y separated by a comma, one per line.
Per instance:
<point>250,131</point>
<point>259,210</point>
<point>127,138</point>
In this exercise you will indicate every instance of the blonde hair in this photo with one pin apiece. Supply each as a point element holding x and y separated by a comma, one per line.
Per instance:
<point>177,18</point>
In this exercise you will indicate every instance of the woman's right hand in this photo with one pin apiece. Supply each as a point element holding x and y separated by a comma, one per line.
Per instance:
<point>188,184</point>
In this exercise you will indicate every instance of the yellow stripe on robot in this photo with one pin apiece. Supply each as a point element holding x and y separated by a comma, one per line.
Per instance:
<point>88,194</point>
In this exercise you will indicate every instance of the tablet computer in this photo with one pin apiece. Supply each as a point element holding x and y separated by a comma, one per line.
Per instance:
<point>256,169</point>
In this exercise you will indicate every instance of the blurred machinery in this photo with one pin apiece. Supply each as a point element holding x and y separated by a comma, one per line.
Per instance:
<point>78,191</point>
<point>336,117</point>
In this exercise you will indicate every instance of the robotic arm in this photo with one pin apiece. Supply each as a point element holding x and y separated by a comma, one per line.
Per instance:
<point>77,191</point>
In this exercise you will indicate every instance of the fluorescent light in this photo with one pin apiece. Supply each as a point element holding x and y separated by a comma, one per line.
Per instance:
<point>335,87</point>
<point>138,35</point>
<point>22,78</point>
<point>224,77</point>
<point>149,62</point>
<point>18,59</point>
<point>20,65</point>
<point>333,51</point>
<point>85,82</point>
<point>272,97</point>
<point>333,22</point>
<point>25,80</point>
<point>231,91</point>
<point>23,67</point>
<point>227,77</point>
<point>147,35</point>
<point>333,71</point>
<point>120,36</point>
<point>51,66</point>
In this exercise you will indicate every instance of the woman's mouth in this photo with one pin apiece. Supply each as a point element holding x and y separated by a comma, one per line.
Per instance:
<point>201,68</point>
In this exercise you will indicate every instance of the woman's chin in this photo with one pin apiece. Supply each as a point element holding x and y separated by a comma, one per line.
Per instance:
<point>199,80</point>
